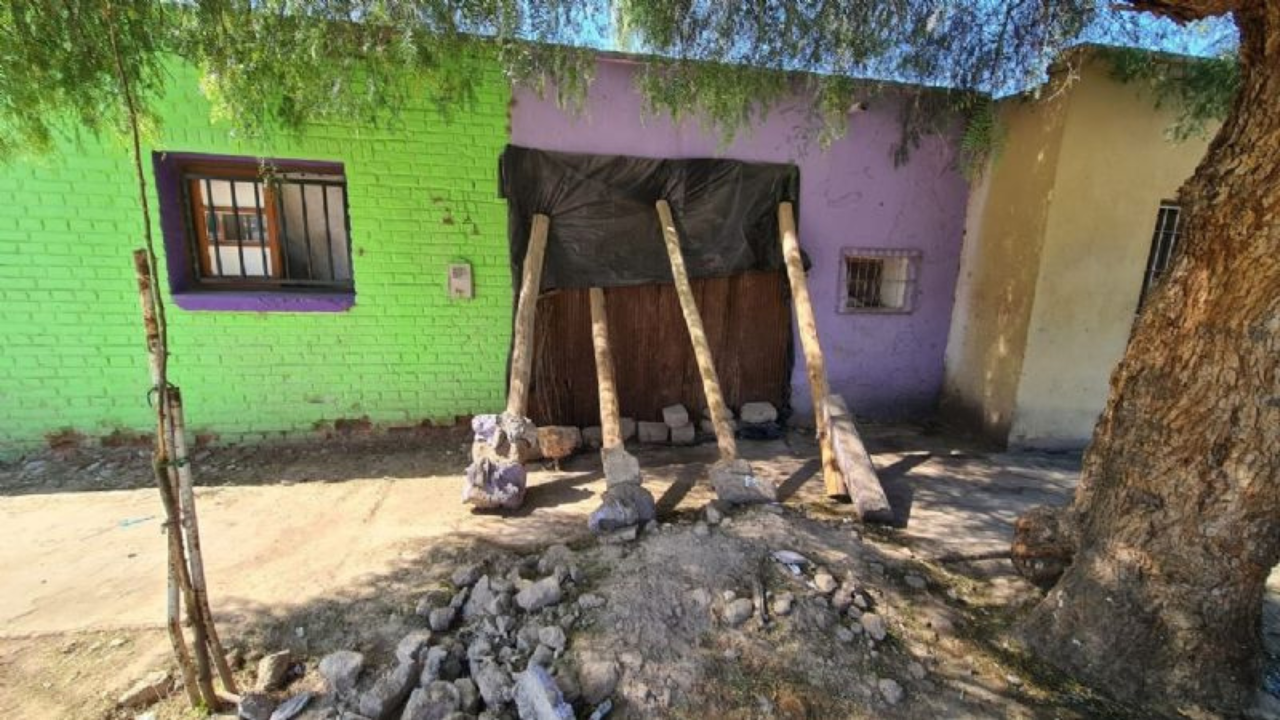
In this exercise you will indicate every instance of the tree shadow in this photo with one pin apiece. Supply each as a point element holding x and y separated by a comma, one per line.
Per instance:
<point>898,489</point>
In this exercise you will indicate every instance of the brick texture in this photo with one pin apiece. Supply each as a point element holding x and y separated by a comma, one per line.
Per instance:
<point>422,194</point>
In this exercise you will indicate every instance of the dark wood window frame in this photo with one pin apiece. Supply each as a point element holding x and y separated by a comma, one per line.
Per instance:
<point>206,244</point>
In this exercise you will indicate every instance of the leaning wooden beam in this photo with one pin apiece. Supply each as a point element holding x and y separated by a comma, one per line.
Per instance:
<point>814,364</point>
<point>851,456</point>
<point>610,422</point>
<point>526,310</point>
<point>701,348</point>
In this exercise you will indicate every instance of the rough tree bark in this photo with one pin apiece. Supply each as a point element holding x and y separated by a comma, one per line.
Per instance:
<point>1176,522</point>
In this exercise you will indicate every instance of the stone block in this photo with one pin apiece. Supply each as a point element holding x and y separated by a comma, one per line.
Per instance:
<point>675,416</point>
<point>683,435</point>
<point>758,412</point>
<point>653,432</point>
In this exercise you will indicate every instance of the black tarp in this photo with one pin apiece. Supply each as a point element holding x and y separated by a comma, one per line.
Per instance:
<point>604,226</point>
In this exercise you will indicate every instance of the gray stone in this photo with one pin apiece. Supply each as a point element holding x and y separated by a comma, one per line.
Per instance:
<point>782,604</point>
<point>593,436</point>
<point>495,484</point>
<point>539,595</point>
<point>620,466</point>
<point>341,669</point>
<point>915,582</point>
<point>434,701</point>
<point>557,555</point>
<point>410,647</point>
<point>486,600</point>
<point>714,512</point>
<point>440,664</point>
<point>459,599</point>
<point>890,690</point>
<point>628,428</point>
<point>845,635</point>
<point>272,670</point>
<point>492,681</point>
<point>468,695</point>
<point>917,670</point>
<point>553,637</point>
<point>441,618</point>
<point>467,575</point>
<point>683,435</point>
<point>542,656</point>
<point>149,690</point>
<point>538,697</point>
<point>292,707</point>
<point>824,582</point>
<point>652,432</point>
<point>590,601</point>
<point>736,484</point>
<point>707,427</point>
<point>875,626</point>
<point>675,416</point>
<point>388,693</point>
<point>624,505</point>
<point>255,705</point>
<point>738,611</point>
<point>597,680</point>
<point>758,412</point>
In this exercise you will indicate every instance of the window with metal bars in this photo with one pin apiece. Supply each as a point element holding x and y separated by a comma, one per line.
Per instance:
<point>267,226</point>
<point>878,280</point>
<point>1164,240</point>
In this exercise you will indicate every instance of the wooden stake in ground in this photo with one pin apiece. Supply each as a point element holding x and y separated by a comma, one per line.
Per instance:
<point>846,466</point>
<point>814,363</point>
<point>610,422</point>
<point>526,310</point>
<point>701,348</point>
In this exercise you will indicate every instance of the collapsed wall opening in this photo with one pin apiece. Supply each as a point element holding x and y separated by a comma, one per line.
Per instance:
<point>604,233</point>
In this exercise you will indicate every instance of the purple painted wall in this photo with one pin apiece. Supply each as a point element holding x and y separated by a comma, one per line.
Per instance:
<point>851,195</point>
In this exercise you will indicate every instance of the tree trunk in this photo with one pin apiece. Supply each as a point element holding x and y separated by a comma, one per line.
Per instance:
<point>1176,522</point>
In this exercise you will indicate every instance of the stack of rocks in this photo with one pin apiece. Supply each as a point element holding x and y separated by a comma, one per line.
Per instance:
<point>676,418</point>
<point>626,504</point>
<point>496,477</point>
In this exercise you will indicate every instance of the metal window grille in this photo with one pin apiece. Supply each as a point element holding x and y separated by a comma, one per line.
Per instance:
<point>880,280</point>
<point>291,230</point>
<point>1163,243</point>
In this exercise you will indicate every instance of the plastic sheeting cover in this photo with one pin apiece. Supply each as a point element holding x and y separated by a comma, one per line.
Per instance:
<point>604,226</point>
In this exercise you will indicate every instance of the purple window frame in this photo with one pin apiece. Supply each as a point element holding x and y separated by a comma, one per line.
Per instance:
<point>177,248</point>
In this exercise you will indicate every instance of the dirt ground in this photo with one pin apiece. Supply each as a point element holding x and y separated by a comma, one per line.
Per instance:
<point>315,548</point>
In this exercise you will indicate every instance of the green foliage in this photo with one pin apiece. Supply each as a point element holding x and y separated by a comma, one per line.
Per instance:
<point>983,136</point>
<point>1201,90</point>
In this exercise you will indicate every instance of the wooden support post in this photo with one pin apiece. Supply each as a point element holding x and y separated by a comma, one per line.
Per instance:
<point>701,348</point>
<point>814,364</point>
<point>610,424</point>
<point>526,310</point>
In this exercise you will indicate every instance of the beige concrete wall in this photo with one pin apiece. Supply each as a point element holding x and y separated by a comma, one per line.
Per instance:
<point>1007,215</point>
<point>1115,166</point>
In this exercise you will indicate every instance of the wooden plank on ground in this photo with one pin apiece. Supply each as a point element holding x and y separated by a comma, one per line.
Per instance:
<point>701,348</point>
<point>814,363</point>
<point>851,456</point>
<point>526,307</point>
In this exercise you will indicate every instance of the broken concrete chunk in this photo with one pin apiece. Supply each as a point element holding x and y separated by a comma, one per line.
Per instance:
<point>492,681</point>
<point>149,690</point>
<point>736,484</point>
<point>538,697</point>
<point>623,506</point>
<point>557,555</point>
<point>552,636</point>
<point>620,466</point>
<point>341,669</point>
<point>494,484</point>
<point>503,437</point>
<point>435,701</point>
<point>593,436</point>
<point>389,691</point>
<point>652,432</point>
<point>272,670</point>
<point>683,435</point>
<point>539,595</point>
<point>558,441</point>
<point>441,618</point>
<point>675,416</point>
<point>411,646</point>
<point>467,575</point>
<point>758,412</point>
<point>875,626</point>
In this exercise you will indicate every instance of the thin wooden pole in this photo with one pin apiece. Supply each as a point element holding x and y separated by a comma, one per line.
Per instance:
<point>701,348</point>
<point>814,363</point>
<point>610,424</point>
<point>160,462</point>
<point>526,309</point>
<point>191,532</point>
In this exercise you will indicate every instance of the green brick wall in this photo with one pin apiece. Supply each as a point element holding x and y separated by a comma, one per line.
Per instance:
<point>422,194</point>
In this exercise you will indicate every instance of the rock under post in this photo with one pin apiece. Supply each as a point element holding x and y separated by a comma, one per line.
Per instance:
<point>735,483</point>
<point>496,478</point>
